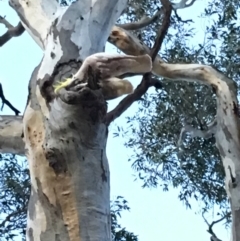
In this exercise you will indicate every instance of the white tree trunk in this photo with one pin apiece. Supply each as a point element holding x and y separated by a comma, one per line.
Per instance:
<point>65,141</point>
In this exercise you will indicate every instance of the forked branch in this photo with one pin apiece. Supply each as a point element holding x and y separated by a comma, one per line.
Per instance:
<point>210,226</point>
<point>147,81</point>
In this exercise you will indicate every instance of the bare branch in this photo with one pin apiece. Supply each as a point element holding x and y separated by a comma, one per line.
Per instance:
<point>182,4</point>
<point>145,21</point>
<point>5,22</point>
<point>11,131</point>
<point>210,226</point>
<point>180,19</point>
<point>5,101</point>
<point>147,81</point>
<point>12,32</point>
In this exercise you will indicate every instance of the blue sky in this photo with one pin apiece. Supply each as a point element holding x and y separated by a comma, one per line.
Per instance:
<point>154,215</point>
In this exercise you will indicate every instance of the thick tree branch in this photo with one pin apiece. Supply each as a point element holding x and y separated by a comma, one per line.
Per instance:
<point>11,135</point>
<point>35,18</point>
<point>145,21</point>
<point>147,81</point>
<point>11,32</point>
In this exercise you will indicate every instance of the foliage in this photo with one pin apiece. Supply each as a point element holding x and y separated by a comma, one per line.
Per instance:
<point>14,195</point>
<point>196,170</point>
<point>119,233</point>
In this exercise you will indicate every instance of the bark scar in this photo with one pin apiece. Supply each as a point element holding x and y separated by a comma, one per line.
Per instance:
<point>104,177</point>
<point>233,179</point>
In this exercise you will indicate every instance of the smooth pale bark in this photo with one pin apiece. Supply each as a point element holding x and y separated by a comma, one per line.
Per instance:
<point>227,118</point>
<point>65,141</point>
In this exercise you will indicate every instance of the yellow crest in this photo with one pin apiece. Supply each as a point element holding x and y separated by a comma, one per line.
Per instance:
<point>61,84</point>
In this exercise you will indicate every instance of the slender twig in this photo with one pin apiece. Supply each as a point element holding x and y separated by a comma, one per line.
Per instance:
<point>147,81</point>
<point>5,101</point>
<point>180,19</point>
<point>145,21</point>
<point>210,226</point>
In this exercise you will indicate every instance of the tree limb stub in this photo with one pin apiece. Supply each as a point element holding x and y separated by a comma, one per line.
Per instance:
<point>11,131</point>
<point>147,81</point>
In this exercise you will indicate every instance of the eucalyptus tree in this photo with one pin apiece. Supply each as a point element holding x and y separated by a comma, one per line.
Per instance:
<point>64,134</point>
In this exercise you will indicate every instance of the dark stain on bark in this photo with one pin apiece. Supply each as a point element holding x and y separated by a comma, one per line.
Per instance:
<point>72,125</point>
<point>227,133</point>
<point>56,160</point>
<point>57,237</point>
<point>233,179</point>
<point>236,109</point>
<point>214,88</point>
<point>53,55</point>
<point>30,234</point>
<point>104,177</point>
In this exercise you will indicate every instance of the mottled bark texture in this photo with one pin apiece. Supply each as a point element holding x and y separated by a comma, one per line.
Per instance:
<point>65,138</point>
